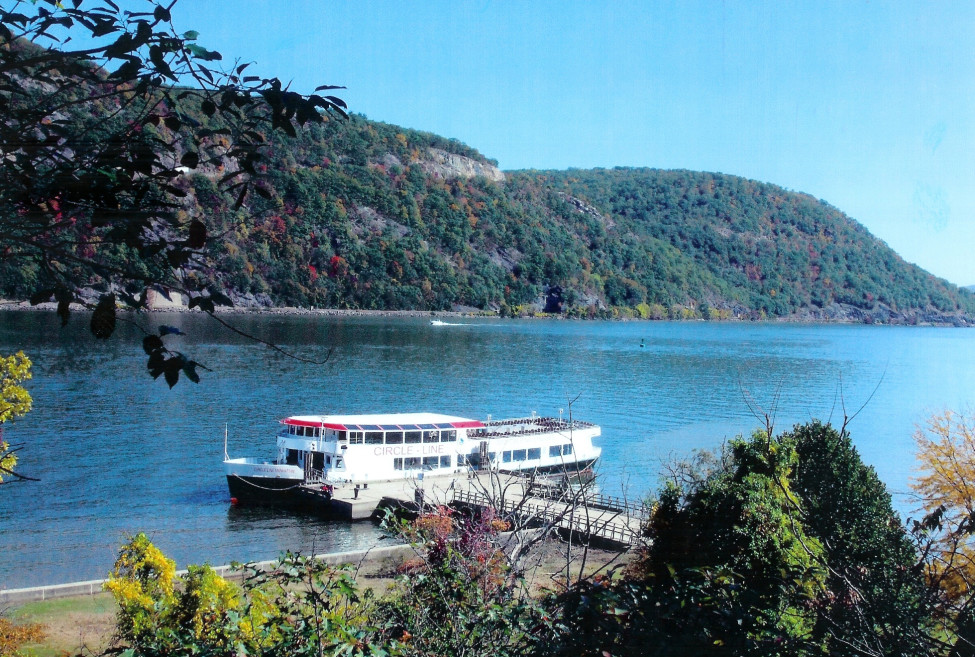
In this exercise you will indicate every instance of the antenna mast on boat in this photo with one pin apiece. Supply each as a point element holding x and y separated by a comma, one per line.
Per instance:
<point>226,457</point>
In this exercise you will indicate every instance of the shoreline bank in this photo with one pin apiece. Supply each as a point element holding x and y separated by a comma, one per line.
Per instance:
<point>863,318</point>
<point>227,571</point>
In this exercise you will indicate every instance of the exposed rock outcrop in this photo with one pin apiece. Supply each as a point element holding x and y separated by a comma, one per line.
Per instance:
<point>450,165</point>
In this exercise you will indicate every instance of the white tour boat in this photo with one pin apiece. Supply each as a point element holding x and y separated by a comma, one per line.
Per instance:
<point>337,450</point>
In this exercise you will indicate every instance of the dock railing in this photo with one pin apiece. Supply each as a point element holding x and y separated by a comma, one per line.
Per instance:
<point>611,525</point>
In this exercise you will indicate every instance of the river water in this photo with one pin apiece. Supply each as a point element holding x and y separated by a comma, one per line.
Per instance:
<point>118,453</point>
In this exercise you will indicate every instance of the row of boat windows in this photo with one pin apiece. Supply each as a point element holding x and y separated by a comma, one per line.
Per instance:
<point>425,463</point>
<point>400,437</point>
<point>307,432</point>
<point>513,455</point>
<point>535,453</point>
<point>377,437</point>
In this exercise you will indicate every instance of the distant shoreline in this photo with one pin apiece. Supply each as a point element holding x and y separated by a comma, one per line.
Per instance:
<point>804,317</point>
<point>7,305</point>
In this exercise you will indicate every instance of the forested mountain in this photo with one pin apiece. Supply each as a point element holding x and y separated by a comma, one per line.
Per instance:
<point>360,214</point>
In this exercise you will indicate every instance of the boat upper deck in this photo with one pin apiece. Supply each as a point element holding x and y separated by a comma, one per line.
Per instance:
<point>526,427</point>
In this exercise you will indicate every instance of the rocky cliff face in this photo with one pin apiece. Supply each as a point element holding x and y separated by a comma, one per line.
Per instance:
<point>446,165</point>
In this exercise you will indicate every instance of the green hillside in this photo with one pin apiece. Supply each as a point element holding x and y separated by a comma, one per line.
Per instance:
<point>364,216</point>
<point>367,215</point>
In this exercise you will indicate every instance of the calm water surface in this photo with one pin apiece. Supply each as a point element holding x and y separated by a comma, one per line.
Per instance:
<point>119,453</point>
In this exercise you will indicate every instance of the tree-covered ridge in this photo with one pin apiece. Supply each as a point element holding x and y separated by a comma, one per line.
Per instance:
<point>360,220</point>
<point>361,214</point>
<point>754,246</point>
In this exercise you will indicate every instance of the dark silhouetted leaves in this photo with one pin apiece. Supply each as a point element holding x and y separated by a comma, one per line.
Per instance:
<point>203,303</point>
<point>99,143</point>
<point>64,299</point>
<point>103,319</point>
<point>171,369</point>
<point>41,297</point>
<point>190,159</point>
<point>152,344</point>
<point>198,235</point>
<point>220,298</point>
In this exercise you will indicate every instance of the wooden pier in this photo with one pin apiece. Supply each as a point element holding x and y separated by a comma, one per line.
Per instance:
<point>527,501</point>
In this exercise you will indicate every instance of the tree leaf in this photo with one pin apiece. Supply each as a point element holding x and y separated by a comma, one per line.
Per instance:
<point>198,235</point>
<point>203,303</point>
<point>191,160</point>
<point>240,197</point>
<point>41,297</point>
<point>171,373</point>
<point>152,344</point>
<point>220,298</point>
<point>189,369</point>
<point>103,319</point>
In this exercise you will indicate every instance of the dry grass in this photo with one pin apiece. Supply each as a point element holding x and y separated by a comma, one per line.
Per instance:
<point>70,625</point>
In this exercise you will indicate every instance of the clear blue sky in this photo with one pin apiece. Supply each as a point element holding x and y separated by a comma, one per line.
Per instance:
<point>867,105</point>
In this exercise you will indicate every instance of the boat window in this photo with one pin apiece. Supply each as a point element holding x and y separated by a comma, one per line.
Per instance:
<point>338,463</point>
<point>445,461</point>
<point>492,456</point>
<point>292,457</point>
<point>506,456</point>
<point>355,437</point>
<point>397,464</point>
<point>328,460</point>
<point>318,433</point>
<point>431,436</point>
<point>394,437</point>
<point>567,449</point>
<point>534,453</point>
<point>374,437</point>
<point>412,463</point>
<point>555,450</point>
<point>413,437</point>
<point>342,435</point>
<point>518,455</point>
<point>292,430</point>
<point>449,436</point>
<point>430,462</point>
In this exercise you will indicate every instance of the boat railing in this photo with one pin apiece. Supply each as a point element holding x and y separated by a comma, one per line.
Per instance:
<point>315,476</point>
<point>527,426</point>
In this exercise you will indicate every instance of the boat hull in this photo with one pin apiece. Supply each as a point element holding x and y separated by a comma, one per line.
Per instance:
<point>263,490</point>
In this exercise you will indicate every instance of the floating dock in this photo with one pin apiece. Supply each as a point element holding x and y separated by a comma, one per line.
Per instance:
<point>523,498</point>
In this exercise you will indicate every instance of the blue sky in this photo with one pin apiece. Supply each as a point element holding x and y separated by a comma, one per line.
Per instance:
<point>867,105</point>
